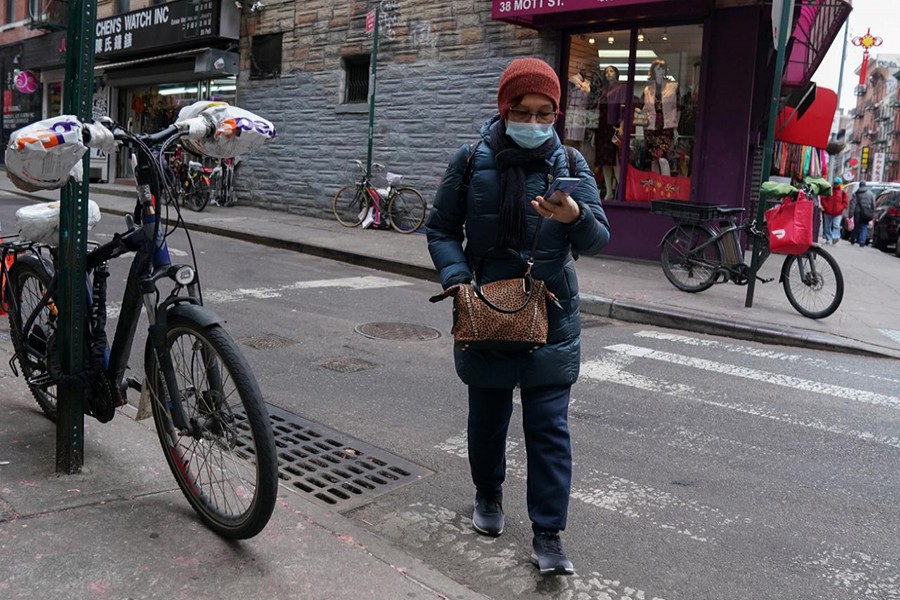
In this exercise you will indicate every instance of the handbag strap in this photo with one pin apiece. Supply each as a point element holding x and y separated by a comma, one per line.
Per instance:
<point>528,279</point>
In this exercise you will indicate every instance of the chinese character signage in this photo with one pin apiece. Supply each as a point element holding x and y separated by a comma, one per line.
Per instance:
<point>526,8</point>
<point>157,27</point>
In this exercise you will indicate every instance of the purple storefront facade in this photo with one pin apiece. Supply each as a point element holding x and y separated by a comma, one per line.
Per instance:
<point>721,74</point>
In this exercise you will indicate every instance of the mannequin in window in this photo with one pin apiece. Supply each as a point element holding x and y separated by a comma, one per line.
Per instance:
<point>579,90</point>
<point>610,106</point>
<point>661,105</point>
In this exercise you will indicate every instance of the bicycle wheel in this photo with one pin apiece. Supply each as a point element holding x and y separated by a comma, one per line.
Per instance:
<point>226,467</point>
<point>406,210</point>
<point>686,268</point>
<point>228,196</point>
<point>198,195</point>
<point>350,205</point>
<point>813,283</point>
<point>29,278</point>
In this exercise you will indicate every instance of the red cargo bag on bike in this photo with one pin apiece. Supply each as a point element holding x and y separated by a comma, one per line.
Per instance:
<point>790,227</point>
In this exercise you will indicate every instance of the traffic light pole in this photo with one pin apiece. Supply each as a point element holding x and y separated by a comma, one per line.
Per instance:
<point>78,94</point>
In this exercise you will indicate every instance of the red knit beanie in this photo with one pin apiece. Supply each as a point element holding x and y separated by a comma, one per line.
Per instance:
<point>527,76</point>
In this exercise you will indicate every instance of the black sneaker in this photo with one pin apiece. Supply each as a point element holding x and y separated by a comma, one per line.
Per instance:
<point>548,554</point>
<point>487,519</point>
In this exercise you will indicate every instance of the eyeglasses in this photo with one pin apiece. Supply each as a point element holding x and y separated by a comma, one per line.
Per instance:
<point>524,116</point>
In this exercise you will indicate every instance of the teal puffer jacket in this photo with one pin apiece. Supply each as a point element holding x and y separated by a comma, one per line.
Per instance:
<point>461,231</point>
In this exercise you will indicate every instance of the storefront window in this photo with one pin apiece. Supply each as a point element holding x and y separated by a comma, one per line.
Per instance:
<point>146,109</point>
<point>659,132</point>
<point>54,98</point>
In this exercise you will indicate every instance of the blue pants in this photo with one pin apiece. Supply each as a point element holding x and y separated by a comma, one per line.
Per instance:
<point>832,227</point>
<point>545,419</point>
<point>860,231</point>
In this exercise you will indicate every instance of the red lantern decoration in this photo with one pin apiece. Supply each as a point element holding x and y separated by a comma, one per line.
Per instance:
<point>867,42</point>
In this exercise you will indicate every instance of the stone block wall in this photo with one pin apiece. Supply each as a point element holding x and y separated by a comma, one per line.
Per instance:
<point>437,73</point>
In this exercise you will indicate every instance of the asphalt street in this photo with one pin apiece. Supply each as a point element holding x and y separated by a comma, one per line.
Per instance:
<point>705,467</point>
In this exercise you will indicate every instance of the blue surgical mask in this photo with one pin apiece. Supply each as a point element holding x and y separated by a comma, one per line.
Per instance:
<point>529,135</point>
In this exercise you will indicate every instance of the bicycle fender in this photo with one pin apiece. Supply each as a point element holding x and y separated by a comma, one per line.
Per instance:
<point>200,314</point>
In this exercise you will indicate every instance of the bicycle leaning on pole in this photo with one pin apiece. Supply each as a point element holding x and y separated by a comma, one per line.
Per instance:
<point>404,206</point>
<point>704,248</point>
<point>206,405</point>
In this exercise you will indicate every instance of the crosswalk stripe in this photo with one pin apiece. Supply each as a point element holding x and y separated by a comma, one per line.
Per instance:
<point>367,282</point>
<point>759,353</point>
<point>609,369</point>
<point>779,379</point>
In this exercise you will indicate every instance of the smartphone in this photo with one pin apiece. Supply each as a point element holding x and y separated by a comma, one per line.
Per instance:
<point>565,185</point>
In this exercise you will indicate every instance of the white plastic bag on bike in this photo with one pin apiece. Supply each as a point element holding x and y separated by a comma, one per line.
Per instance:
<point>40,222</point>
<point>42,155</point>
<point>237,131</point>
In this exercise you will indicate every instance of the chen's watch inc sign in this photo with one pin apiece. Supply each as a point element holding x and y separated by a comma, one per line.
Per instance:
<point>157,27</point>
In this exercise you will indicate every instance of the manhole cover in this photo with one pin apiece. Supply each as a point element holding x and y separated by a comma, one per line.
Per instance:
<point>346,364</point>
<point>398,331</point>
<point>266,341</point>
<point>332,468</point>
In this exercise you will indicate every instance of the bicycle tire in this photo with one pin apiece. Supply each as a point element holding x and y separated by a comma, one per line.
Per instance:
<point>29,278</point>
<point>406,210</point>
<point>229,473</point>
<point>685,269</point>
<point>198,196</point>
<point>809,292</point>
<point>229,198</point>
<point>350,205</point>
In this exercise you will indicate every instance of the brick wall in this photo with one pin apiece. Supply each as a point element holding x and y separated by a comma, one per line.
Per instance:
<point>438,68</point>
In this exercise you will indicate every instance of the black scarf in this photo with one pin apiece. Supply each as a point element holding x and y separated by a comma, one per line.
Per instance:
<point>511,161</point>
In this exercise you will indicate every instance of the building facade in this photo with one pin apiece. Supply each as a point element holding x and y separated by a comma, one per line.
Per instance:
<point>150,58</point>
<point>874,145</point>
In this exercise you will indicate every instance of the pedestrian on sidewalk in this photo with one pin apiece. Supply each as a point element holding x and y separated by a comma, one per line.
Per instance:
<point>832,208</point>
<point>504,178</point>
<point>862,209</point>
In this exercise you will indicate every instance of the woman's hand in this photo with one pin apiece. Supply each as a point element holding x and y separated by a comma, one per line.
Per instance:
<point>559,207</point>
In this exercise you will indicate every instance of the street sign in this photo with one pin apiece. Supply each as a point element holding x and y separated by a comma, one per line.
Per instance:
<point>370,21</point>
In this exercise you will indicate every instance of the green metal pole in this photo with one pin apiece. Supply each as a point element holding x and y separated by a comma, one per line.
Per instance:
<point>372,93</point>
<point>78,94</point>
<point>768,150</point>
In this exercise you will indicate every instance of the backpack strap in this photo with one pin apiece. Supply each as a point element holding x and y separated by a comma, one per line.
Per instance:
<point>467,173</point>
<point>571,163</point>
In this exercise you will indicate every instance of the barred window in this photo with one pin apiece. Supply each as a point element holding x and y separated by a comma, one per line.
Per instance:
<point>265,56</point>
<point>356,89</point>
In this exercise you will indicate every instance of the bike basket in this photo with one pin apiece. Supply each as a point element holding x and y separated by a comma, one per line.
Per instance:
<point>680,209</point>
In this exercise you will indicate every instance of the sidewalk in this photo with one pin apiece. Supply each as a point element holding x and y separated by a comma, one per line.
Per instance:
<point>865,323</point>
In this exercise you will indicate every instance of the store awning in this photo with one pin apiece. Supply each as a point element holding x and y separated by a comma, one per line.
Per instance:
<point>547,14</point>
<point>816,25</point>
<point>811,124</point>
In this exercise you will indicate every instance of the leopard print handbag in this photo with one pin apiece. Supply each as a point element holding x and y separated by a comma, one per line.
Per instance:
<point>508,314</point>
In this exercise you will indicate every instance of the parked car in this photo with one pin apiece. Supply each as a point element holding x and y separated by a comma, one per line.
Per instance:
<point>886,224</point>
<point>877,189</point>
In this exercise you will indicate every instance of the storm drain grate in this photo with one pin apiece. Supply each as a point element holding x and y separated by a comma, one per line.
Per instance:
<point>267,341</point>
<point>398,331</point>
<point>332,468</point>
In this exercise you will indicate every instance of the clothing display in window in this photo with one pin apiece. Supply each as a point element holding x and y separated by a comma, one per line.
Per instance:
<point>661,106</point>
<point>576,113</point>
<point>793,160</point>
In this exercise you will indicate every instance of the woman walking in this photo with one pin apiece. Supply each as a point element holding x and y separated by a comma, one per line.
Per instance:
<point>492,198</point>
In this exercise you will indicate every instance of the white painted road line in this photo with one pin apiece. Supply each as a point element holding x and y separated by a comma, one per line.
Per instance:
<point>789,381</point>
<point>367,282</point>
<point>761,353</point>
<point>609,369</point>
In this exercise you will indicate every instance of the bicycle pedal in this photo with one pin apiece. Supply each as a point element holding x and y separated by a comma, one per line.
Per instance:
<point>133,383</point>
<point>765,280</point>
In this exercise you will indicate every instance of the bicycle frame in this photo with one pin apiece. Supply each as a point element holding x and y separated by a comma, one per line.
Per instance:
<point>150,264</point>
